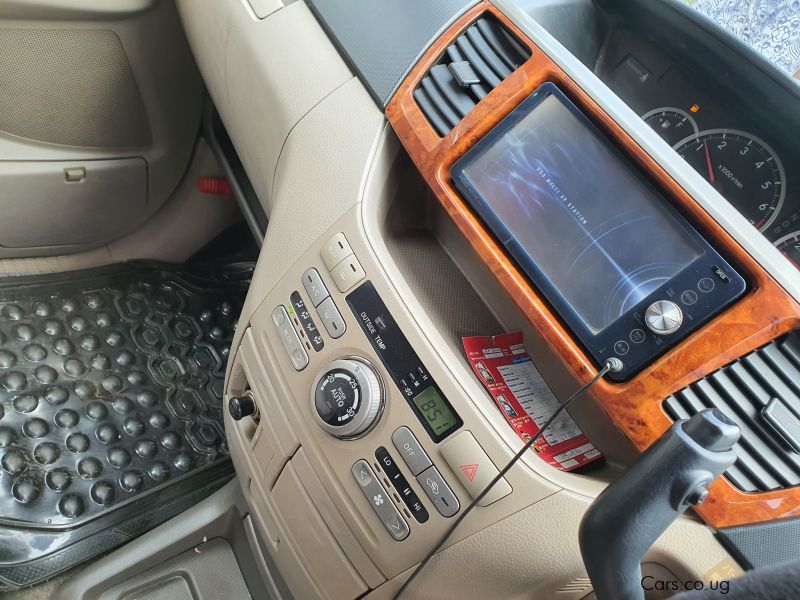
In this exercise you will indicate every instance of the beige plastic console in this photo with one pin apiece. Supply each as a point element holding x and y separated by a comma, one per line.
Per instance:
<point>342,171</point>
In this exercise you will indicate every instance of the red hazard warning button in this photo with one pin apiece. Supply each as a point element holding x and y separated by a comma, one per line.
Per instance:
<point>469,471</point>
<point>473,468</point>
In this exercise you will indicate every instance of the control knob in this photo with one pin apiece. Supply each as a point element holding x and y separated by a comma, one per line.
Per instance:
<point>663,317</point>
<point>347,398</point>
<point>243,406</point>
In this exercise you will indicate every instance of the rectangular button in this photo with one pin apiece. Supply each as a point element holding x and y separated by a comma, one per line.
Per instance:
<point>347,273</point>
<point>439,492</point>
<point>331,318</point>
<point>306,322</point>
<point>316,290</point>
<point>335,250</point>
<point>409,448</point>
<point>380,501</point>
<point>289,338</point>
<point>400,483</point>
<point>473,468</point>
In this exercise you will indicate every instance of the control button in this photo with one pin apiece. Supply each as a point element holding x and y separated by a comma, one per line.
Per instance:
<point>408,447</point>
<point>347,273</point>
<point>335,250</point>
<point>347,398</point>
<point>689,297</point>
<point>721,275</point>
<point>473,468</point>
<point>663,317</point>
<point>380,501</point>
<point>331,318</point>
<point>306,322</point>
<point>637,336</point>
<point>400,483</point>
<point>621,347</point>
<point>438,491</point>
<point>315,289</point>
<point>289,338</point>
<point>705,285</point>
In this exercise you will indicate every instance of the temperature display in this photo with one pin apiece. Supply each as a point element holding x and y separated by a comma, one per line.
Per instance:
<point>435,410</point>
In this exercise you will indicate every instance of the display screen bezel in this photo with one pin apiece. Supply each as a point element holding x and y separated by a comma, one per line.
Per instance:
<point>599,343</point>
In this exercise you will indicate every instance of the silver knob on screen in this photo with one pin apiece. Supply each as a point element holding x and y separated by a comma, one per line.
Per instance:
<point>663,317</point>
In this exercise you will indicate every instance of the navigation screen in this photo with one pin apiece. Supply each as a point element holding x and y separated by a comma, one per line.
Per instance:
<point>598,232</point>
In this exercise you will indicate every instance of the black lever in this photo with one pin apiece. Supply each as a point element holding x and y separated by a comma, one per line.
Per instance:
<point>628,517</point>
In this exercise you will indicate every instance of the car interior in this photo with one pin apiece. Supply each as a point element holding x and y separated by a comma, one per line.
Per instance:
<point>355,299</point>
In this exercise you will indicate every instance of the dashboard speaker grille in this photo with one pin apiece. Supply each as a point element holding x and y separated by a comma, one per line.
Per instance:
<point>480,58</point>
<point>761,393</point>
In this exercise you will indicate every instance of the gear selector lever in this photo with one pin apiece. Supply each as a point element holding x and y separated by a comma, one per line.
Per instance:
<point>627,518</point>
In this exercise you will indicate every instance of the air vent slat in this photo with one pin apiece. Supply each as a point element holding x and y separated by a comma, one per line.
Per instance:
<point>451,91</point>
<point>430,109</point>
<point>489,53</point>
<point>506,47</point>
<point>741,390</point>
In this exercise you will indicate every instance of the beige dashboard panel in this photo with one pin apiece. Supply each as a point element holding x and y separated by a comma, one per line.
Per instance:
<point>264,75</point>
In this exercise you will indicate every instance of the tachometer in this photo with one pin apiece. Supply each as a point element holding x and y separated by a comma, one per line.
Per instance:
<point>672,124</point>
<point>790,246</point>
<point>742,168</point>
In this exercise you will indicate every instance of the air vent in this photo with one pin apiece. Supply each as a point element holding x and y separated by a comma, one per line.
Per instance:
<point>480,58</point>
<point>761,392</point>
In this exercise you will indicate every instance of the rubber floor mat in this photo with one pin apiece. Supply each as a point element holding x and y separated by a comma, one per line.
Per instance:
<point>111,384</point>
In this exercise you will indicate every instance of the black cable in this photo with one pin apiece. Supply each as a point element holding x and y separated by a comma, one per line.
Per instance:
<point>606,368</point>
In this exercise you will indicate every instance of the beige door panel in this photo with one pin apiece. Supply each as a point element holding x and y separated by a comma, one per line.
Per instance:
<point>91,85</point>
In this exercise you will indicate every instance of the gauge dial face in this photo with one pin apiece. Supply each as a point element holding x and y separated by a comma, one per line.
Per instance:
<point>742,168</point>
<point>672,124</point>
<point>790,246</point>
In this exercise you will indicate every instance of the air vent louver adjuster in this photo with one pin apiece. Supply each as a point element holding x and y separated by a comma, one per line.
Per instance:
<point>761,392</point>
<point>480,58</point>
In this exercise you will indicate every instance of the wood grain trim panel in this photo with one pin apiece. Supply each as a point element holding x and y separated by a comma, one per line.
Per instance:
<point>635,407</point>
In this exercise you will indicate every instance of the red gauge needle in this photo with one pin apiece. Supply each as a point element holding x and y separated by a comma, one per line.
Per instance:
<point>708,162</point>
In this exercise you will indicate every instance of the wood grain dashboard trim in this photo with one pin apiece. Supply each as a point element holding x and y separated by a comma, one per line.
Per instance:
<point>635,406</point>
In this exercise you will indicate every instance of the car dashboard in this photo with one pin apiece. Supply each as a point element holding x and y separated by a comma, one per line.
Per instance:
<point>351,123</point>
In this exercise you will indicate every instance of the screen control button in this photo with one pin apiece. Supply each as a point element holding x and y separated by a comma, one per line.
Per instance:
<point>335,250</point>
<point>411,451</point>
<point>380,501</point>
<point>348,273</point>
<point>621,347</point>
<point>289,338</point>
<point>705,285</point>
<point>439,492</point>
<point>637,336</point>
<point>331,318</point>
<point>473,468</point>
<point>689,297</point>
<point>663,317</point>
<point>316,290</point>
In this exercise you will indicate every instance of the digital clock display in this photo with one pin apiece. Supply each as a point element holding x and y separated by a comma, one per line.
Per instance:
<point>436,411</point>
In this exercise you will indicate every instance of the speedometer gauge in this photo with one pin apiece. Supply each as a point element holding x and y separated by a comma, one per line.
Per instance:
<point>742,168</point>
<point>672,124</point>
<point>790,246</point>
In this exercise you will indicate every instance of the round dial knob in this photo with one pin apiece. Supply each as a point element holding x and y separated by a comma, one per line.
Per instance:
<point>347,398</point>
<point>663,317</point>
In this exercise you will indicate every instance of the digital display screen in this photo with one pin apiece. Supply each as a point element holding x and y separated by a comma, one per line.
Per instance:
<point>597,231</point>
<point>435,410</point>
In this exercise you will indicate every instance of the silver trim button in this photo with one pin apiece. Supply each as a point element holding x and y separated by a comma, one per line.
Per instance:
<point>411,451</point>
<point>439,492</point>
<point>331,318</point>
<point>380,500</point>
<point>316,290</point>
<point>663,317</point>
<point>289,338</point>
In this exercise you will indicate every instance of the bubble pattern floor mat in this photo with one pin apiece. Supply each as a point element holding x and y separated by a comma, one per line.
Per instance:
<point>111,385</point>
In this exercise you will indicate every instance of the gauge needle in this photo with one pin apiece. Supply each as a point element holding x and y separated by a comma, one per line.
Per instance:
<point>708,162</point>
